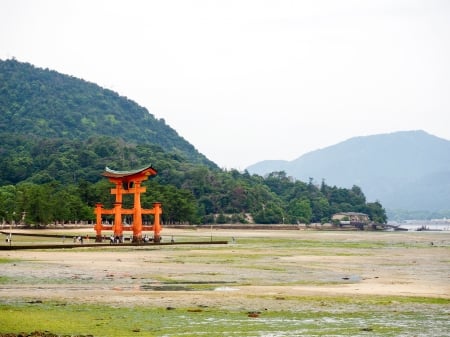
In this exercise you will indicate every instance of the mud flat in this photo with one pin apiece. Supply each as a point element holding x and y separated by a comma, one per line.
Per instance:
<point>397,277</point>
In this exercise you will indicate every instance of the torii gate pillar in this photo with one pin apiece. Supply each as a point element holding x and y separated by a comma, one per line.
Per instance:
<point>129,182</point>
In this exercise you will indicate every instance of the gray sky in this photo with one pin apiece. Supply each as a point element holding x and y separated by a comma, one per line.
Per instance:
<point>249,80</point>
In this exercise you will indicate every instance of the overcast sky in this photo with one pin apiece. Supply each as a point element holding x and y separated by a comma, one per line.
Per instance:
<point>249,80</point>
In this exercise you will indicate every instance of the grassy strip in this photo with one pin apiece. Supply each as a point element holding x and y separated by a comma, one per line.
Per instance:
<point>104,320</point>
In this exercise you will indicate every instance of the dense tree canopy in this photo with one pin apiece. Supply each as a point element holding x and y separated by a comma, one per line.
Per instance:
<point>60,180</point>
<point>42,103</point>
<point>58,133</point>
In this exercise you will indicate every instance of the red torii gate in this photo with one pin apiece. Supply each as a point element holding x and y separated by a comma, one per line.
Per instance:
<point>128,182</point>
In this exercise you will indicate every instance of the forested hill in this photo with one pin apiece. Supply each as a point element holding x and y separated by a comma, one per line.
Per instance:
<point>57,134</point>
<point>43,103</point>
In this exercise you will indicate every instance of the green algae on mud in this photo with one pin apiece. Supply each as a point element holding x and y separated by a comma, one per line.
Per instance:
<point>320,284</point>
<point>64,318</point>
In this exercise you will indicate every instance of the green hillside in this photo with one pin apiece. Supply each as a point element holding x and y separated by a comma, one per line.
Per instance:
<point>57,134</point>
<point>43,103</point>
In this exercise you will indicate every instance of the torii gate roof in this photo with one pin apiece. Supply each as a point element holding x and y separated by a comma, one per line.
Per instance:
<point>145,171</point>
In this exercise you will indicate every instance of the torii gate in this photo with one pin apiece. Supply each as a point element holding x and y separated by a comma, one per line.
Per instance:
<point>129,182</point>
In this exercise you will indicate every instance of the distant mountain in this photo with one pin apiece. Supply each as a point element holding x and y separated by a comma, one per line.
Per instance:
<point>46,104</point>
<point>407,170</point>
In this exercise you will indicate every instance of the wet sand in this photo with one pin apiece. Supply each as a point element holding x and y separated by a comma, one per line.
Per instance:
<point>257,269</point>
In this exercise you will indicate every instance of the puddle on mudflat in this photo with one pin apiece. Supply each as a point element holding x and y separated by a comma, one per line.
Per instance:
<point>183,285</point>
<point>352,278</point>
<point>225,289</point>
<point>165,287</point>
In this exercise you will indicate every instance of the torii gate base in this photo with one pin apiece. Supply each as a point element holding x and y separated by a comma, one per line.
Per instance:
<point>128,182</point>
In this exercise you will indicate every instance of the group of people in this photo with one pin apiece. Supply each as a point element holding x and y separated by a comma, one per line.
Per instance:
<point>113,239</point>
<point>118,239</point>
<point>80,239</point>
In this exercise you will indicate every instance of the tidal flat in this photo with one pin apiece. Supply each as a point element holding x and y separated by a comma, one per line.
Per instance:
<point>262,283</point>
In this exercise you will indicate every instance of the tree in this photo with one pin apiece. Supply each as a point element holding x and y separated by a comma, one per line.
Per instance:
<point>7,202</point>
<point>269,214</point>
<point>300,211</point>
<point>320,210</point>
<point>376,212</point>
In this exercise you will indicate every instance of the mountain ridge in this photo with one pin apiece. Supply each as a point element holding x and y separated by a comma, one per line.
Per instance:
<point>395,168</point>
